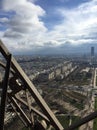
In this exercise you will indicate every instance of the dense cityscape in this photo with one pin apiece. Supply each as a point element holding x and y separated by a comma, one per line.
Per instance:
<point>69,82</point>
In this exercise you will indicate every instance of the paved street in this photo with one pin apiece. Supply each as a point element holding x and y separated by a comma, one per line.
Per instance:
<point>89,107</point>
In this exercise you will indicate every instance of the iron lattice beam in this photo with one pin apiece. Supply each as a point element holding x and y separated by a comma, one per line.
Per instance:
<point>32,109</point>
<point>4,92</point>
<point>35,94</point>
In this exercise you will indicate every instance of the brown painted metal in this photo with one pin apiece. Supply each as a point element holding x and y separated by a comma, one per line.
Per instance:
<point>4,50</point>
<point>29,106</point>
<point>14,84</point>
<point>40,101</point>
<point>22,113</point>
<point>83,121</point>
<point>32,109</point>
<point>42,104</point>
<point>4,66</point>
<point>18,114</point>
<point>4,92</point>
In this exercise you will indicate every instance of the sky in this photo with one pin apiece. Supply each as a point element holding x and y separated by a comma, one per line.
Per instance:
<point>33,26</point>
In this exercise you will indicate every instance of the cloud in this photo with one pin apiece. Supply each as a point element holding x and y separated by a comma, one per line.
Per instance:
<point>25,24</point>
<point>3,20</point>
<point>26,29</point>
<point>78,23</point>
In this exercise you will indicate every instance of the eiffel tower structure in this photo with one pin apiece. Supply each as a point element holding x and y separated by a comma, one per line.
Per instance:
<point>16,81</point>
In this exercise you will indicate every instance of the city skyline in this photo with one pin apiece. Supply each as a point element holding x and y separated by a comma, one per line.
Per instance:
<point>92,51</point>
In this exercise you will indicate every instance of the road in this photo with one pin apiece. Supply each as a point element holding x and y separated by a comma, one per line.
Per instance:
<point>89,107</point>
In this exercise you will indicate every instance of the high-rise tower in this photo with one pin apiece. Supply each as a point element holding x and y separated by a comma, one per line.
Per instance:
<point>92,51</point>
<point>92,55</point>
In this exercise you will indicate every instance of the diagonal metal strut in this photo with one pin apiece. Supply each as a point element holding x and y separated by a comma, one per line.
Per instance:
<point>40,101</point>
